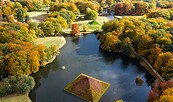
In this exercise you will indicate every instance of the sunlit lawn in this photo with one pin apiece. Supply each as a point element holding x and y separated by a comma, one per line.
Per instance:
<point>91,27</point>
<point>15,98</point>
<point>36,13</point>
<point>48,41</point>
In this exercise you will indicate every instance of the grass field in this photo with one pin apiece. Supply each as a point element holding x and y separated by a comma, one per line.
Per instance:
<point>91,27</point>
<point>48,41</point>
<point>37,16</point>
<point>15,98</point>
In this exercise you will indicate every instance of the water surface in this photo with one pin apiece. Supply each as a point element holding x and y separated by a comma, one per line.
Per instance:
<point>82,55</point>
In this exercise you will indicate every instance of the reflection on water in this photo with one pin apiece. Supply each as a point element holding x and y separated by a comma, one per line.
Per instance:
<point>82,55</point>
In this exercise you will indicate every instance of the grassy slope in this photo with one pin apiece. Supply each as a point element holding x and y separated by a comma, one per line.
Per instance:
<point>15,98</point>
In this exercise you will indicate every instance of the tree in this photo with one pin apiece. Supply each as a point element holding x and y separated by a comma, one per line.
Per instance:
<point>75,29</point>
<point>164,65</point>
<point>69,16</point>
<point>51,27</point>
<point>85,28</point>
<point>127,46</point>
<point>109,41</point>
<point>166,96</point>
<point>21,14</point>
<point>47,28</point>
<point>91,14</point>
<point>20,59</point>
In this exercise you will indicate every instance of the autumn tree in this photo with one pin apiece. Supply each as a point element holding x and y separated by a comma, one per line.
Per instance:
<point>51,27</point>
<point>109,41</point>
<point>75,29</point>
<point>164,64</point>
<point>161,91</point>
<point>21,62</point>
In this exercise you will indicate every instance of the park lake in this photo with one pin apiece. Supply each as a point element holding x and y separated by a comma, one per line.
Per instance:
<point>83,55</point>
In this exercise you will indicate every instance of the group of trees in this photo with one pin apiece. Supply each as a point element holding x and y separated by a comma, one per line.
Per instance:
<point>151,38</point>
<point>18,55</point>
<point>165,3</point>
<point>16,85</point>
<point>31,5</point>
<point>164,13</point>
<point>68,6</point>
<point>82,6</point>
<point>134,8</point>
<point>161,91</point>
<point>14,10</point>
<point>56,21</point>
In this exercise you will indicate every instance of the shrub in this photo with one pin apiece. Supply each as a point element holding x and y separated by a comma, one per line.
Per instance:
<point>85,28</point>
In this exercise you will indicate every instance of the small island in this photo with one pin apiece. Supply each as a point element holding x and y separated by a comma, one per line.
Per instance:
<point>87,88</point>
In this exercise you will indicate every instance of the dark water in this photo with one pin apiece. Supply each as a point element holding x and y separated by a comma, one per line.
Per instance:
<point>82,55</point>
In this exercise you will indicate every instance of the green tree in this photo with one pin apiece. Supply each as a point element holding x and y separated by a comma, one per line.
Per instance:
<point>91,14</point>
<point>127,46</point>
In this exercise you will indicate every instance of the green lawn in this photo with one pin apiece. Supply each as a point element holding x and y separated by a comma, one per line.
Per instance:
<point>91,27</point>
<point>48,41</point>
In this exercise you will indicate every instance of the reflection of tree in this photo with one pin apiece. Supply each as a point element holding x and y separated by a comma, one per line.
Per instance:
<point>42,73</point>
<point>149,79</point>
<point>109,57</point>
<point>75,39</point>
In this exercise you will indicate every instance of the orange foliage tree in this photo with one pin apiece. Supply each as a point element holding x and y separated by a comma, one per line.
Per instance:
<point>75,29</point>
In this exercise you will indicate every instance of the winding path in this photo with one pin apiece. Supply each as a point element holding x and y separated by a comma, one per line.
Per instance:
<point>156,74</point>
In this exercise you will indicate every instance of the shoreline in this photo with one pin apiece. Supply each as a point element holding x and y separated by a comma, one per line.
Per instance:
<point>143,62</point>
<point>59,47</point>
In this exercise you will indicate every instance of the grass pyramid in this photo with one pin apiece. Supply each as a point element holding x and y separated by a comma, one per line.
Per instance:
<point>87,88</point>
<point>94,22</point>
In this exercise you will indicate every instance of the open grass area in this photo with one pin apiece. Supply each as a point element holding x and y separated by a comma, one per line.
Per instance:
<point>48,41</point>
<point>15,98</point>
<point>87,88</point>
<point>91,27</point>
<point>37,16</point>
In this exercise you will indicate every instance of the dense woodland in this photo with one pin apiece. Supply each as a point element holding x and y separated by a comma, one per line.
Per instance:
<point>150,36</point>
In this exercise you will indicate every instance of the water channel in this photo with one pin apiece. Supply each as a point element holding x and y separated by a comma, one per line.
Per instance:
<point>82,55</point>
